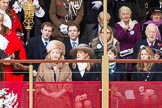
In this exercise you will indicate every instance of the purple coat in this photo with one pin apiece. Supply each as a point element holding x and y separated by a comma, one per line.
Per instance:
<point>127,39</point>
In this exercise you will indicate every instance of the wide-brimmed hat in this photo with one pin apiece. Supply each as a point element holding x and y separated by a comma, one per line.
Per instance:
<point>83,47</point>
<point>155,10</point>
<point>55,44</point>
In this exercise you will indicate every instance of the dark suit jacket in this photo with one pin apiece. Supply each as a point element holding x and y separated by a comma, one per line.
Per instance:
<point>118,75</point>
<point>90,32</point>
<point>35,49</point>
<point>138,44</point>
<point>68,47</point>
<point>155,74</point>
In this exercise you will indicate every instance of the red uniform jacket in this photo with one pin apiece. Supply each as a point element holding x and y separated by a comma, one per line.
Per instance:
<point>14,46</point>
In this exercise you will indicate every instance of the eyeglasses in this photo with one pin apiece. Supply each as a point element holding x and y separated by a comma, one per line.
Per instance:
<point>103,19</point>
<point>107,32</point>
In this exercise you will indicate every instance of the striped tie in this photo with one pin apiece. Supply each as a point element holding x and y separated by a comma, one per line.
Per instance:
<point>74,44</point>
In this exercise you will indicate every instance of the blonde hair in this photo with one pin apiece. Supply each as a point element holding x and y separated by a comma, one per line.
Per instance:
<point>141,66</point>
<point>111,33</point>
<point>48,57</point>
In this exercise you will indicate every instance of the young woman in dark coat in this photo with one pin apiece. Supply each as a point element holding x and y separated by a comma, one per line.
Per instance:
<point>147,71</point>
<point>83,71</point>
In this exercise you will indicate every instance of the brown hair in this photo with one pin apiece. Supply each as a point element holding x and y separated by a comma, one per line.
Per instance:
<point>73,24</point>
<point>88,64</point>
<point>141,66</point>
<point>113,49</point>
<point>49,24</point>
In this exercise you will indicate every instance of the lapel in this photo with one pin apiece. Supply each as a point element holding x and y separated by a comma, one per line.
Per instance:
<point>84,76</point>
<point>157,44</point>
<point>95,31</point>
<point>41,48</point>
<point>69,47</point>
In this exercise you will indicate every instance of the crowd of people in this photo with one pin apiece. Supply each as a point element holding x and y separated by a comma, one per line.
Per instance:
<point>80,38</point>
<point>73,29</point>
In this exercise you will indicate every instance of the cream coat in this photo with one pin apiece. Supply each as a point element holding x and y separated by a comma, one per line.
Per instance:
<point>46,73</point>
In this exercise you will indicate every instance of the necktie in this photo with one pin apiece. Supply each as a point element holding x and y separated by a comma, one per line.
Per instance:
<point>54,76</point>
<point>151,44</point>
<point>73,44</point>
<point>45,43</point>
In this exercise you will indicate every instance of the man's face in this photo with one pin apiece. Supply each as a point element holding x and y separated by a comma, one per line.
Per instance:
<point>46,32</point>
<point>73,32</point>
<point>4,4</point>
<point>101,20</point>
<point>111,55</point>
<point>151,33</point>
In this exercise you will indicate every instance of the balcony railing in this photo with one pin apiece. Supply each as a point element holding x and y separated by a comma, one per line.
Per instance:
<point>126,94</point>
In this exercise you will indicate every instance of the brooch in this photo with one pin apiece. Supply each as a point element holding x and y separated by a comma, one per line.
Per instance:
<point>99,46</point>
<point>131,32</point>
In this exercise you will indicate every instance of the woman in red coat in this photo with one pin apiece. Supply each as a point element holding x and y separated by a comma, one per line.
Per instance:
<point>14,48</point>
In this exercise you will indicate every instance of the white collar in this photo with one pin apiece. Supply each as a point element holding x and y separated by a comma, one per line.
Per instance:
<point>76,41</point>
<point>99,28</point>
<point>131,24</point>
<point>82,67</point>
<point>149,43</point>
<point>43,40</point>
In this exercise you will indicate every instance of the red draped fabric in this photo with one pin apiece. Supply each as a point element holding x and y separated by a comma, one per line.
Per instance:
<point>122,94</point>
<point>67,100</point>
<point>136,95</point>
<point>17,88</point>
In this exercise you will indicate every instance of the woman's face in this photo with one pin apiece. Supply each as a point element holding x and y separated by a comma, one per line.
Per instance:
<point>55,54</point>
<point>156,17</point>
<point>125,15</point>
<point>111,55</point>
<point>108,36</point>
<point>144,55</point>
<point>81,55</point>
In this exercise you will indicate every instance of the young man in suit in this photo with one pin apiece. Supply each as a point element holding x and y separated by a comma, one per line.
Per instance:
<point>73,40</point>
<point>36,46</point>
